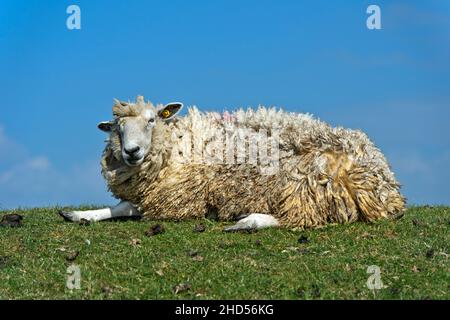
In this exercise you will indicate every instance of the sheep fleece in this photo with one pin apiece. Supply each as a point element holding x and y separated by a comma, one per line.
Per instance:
<point>325,174</point>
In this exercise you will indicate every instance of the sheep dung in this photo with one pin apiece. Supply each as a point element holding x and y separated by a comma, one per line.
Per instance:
<point>12,220</point>
<point>154,230</point>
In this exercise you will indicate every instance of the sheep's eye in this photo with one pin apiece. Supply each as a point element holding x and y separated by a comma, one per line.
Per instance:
<point>151,120</point>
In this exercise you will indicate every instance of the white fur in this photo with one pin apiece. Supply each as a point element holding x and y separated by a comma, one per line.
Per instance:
<point>123,209</point>
<point>149,114</point>
<point>254,221</point>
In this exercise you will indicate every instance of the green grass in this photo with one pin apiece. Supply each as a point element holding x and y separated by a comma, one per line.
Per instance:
<point>412,254</point>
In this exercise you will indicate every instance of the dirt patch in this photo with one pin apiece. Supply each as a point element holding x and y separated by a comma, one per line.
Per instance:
<point>155,230</point>
<point>199,228</point>
<point>11,220</point>
<point>182,287</point>
<point>72,256</point>
<point>303,239</point>
<point>4,261</point>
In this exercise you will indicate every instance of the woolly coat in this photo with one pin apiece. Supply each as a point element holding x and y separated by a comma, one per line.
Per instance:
<point>325,174</point>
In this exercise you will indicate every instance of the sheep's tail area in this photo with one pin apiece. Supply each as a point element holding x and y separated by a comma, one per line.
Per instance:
<point>342,191</point>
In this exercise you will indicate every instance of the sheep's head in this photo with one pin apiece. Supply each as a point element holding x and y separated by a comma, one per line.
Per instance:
<point>133,125</point>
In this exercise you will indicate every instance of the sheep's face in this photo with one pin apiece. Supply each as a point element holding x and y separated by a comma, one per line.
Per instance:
<point>133,126</point>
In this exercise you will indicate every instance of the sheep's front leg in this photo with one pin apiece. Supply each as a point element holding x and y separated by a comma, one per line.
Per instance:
<point>123,209</point>
<point>254,221</point>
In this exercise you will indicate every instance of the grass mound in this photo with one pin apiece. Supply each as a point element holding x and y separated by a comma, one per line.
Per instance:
<point>123,260</point>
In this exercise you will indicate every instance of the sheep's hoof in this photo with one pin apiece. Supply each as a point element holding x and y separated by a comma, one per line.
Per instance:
<point>68,216</point>
<point>252,222</point>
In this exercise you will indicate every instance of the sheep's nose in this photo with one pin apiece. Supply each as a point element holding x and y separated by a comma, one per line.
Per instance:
<point>131,151</point>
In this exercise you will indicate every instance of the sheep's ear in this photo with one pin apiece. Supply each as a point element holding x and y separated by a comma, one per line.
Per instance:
<point>105,126</point>
<point>170,110</point>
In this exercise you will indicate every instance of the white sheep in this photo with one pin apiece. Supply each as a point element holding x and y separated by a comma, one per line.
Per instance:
<point>265,166</point>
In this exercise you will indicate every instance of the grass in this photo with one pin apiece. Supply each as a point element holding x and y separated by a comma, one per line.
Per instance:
<point>121,262</point>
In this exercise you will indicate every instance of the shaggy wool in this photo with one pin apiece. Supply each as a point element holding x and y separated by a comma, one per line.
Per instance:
<point>323,174</point>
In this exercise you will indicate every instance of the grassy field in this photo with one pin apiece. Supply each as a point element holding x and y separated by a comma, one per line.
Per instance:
<point>118,260</point>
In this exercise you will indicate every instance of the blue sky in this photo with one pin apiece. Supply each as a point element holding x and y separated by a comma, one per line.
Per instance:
<point>306,56</point>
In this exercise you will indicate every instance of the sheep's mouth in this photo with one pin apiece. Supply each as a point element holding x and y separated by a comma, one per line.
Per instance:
<point>133,161</point>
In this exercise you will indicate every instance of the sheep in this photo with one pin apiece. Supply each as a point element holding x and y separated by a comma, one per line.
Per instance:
<point>162,166</point>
